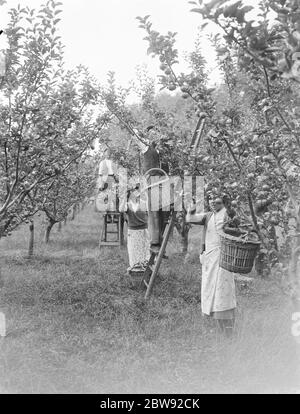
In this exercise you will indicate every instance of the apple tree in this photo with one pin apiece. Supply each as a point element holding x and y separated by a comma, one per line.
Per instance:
<point>239,147</point>
<point>69,188</point>
<point>42,105</point>
<point>268,50</point>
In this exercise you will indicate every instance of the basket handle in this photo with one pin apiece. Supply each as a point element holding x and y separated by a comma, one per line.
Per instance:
<point>155,169</point>
<point>146,175</point>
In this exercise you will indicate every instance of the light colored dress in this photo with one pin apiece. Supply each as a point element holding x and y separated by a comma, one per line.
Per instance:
<point>138,243</point>
<point>217,286</point>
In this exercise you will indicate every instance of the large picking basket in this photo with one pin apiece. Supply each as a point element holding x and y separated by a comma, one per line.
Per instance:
<point>153,190</point>
<point>237,254</point>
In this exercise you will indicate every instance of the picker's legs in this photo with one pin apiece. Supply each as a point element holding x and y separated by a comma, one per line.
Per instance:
<point>154,229</point>
<point>225,321</point>
<point>226,326</point>
<point>157,221</point>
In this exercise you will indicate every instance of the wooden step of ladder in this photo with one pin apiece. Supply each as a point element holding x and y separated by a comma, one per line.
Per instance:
<point>112,225</point>
<point>156,258</point>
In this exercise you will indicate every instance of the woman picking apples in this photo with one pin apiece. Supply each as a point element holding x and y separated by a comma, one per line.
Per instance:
<point>218,299</point>
<point>137,231</point>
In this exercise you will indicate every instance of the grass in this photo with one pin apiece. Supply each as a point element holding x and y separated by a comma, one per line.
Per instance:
<point>77,324</point>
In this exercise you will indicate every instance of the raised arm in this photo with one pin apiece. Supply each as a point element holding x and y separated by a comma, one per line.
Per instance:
<point>143,147</point>
<point>101,168</point>
<point>196,218</point>
<point>141,143</point>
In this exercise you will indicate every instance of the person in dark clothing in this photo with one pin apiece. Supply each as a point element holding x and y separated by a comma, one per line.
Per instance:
<point>150,160</point>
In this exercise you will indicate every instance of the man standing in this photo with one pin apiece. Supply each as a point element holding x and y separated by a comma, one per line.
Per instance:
<point>106,171</point>
<point>218,298</point>
<point>107,180</point>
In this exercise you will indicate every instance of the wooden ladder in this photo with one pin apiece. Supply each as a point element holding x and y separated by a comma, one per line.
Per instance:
<point>155,260</point>
<point>112,225</point>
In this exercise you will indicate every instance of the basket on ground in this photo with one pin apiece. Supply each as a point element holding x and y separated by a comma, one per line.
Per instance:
<point>237,254</point>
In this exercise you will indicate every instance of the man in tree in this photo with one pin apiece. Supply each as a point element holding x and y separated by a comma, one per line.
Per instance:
<point>150,160</point>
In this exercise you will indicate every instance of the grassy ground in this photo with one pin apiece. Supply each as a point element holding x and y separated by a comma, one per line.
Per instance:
<point>77,324</point>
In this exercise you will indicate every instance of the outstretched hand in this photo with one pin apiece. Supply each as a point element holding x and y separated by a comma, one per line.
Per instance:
<point>191,208</point>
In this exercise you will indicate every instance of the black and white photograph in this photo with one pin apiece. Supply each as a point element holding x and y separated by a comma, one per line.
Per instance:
<point>149,200</point>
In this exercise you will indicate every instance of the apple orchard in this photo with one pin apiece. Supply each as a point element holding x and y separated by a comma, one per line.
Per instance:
<point>250,149</point>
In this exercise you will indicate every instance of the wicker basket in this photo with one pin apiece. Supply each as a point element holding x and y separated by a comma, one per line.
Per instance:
<point>237,255</point>
<point>153,190</point>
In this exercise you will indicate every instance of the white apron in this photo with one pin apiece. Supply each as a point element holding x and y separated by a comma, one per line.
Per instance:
<point>138,243</point>
<point>217,285</point>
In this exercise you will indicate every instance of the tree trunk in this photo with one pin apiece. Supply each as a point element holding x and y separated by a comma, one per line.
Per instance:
<point>183,231</point>
<point>31,239</point>
<point>184,239</point>
<point>48,230</point>
<point>74,211</point>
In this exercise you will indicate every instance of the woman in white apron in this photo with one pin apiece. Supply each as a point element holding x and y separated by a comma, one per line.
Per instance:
<point>138,241</point>
<point>218,298</point>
